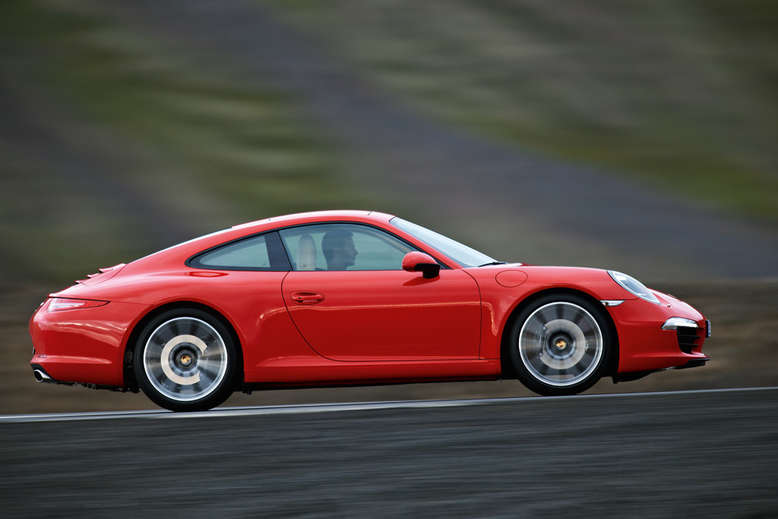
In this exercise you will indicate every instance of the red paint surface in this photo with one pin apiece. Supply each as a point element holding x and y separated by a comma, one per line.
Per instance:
<point>387,315</point>
<point>511,278</point>
<point>367,326</point>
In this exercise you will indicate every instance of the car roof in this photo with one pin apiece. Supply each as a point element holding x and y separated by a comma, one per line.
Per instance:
<point>316,216</point>
<point>266,224</point>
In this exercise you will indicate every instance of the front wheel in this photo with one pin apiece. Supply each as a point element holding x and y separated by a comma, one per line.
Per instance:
<point>185,360</point>
<point>560,345</point>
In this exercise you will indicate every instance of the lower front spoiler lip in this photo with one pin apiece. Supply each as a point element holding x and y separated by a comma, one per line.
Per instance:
<point>634,375</point>
<point>694,363</point>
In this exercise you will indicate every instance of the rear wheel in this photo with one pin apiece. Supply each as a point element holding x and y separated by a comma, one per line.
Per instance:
<point>560,345</point>
<point>185,360</point>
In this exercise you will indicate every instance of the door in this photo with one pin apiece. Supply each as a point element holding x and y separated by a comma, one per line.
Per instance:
<point>351,301</point>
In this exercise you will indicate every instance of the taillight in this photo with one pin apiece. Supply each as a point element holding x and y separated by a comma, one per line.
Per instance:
<point>57,304</point>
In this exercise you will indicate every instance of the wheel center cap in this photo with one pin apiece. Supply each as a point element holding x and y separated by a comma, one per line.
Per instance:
<point>186,359</point>
<point>560,344</point>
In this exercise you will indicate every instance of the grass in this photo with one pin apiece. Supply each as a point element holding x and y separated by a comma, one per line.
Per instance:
<point>679,95</point>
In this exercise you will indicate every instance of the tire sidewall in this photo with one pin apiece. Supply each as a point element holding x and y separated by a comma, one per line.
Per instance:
<point>218,395</point>
<point>540,387</point>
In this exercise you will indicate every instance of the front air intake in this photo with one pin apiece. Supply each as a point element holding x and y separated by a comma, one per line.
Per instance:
<point>688,338</point>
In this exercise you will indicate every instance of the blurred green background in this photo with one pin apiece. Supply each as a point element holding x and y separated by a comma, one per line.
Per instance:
<point>634,135</point>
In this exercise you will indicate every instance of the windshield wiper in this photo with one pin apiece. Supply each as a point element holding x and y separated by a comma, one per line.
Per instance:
<point>493,263</point>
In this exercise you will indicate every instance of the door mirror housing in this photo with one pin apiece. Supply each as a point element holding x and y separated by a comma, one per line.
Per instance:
<point>420,262</point>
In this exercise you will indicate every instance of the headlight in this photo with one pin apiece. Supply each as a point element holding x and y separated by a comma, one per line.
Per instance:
<point>633,286</point>
<point>678,322</point>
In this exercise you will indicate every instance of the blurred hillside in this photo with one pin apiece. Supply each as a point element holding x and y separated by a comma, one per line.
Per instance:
<point>114,148</point>
<point>680,94</point>
<point>574,134</point>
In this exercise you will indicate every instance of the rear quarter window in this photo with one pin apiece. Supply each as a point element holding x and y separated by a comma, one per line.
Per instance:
<point>251,253</point>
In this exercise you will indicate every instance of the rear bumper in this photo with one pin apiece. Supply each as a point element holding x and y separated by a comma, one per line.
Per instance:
<point>40,375</point>
<point>84,346</point>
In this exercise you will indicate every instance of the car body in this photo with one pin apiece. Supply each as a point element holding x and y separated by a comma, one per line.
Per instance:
<point>350,297</point>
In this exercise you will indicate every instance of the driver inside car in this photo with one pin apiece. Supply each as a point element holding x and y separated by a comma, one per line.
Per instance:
<point>339,250</point>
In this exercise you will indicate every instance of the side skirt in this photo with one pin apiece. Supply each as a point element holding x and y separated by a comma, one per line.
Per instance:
<point>257,386</point>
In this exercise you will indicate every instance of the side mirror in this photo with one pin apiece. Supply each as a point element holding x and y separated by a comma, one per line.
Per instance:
<point>420,262</point>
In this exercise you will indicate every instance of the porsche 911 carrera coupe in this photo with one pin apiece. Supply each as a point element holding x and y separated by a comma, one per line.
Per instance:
<point>351,298</point>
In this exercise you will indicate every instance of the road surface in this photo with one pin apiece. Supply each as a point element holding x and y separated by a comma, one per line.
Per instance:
<point>671,454</point>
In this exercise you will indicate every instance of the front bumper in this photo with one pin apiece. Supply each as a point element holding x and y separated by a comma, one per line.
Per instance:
<point>647,344</point>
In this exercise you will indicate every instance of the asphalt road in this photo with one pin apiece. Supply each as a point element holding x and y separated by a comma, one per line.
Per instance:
<point>680,454</point>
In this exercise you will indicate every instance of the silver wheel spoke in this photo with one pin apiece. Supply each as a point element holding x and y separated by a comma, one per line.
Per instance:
<point>185,359</point>
<point>560,344</point>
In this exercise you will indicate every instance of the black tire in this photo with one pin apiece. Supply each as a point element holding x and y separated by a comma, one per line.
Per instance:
<point>560,337</point>
<point>185,359</point>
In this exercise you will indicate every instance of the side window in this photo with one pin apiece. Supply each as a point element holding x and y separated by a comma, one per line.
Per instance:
<point>249,253</point>
<point>343,247</point>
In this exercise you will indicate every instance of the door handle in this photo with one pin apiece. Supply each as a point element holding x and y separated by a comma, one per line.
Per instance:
<point>307,298</point>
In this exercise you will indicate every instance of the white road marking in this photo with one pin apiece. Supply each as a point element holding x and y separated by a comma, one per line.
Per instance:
<point>223,412</point>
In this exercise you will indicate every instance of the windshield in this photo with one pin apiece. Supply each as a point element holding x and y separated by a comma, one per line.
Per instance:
<point>462,254</point>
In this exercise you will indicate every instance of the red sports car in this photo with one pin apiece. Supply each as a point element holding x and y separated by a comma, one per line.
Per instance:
<point>351,297</point>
